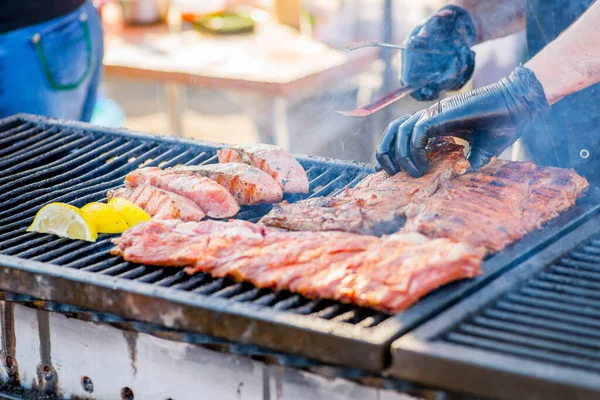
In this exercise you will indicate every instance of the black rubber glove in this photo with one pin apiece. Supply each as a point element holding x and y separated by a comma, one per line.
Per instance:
<point>490,119</point>
<point>448,35</point>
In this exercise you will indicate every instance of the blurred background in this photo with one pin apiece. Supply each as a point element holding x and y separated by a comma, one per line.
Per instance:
<point>235,71</point>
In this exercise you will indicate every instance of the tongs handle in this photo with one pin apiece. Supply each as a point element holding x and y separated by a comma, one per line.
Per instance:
<point>395,94</point>
<point>380,103</point>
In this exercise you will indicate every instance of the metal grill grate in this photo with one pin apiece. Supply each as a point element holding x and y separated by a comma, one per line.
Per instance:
<point>534,332</point>
<point>43,161</point>
<point>50,164</point>
<point>553,317</point>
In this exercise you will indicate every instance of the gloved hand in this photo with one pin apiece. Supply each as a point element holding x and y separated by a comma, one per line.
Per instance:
<point>490,119</point>
<point>449,34</point>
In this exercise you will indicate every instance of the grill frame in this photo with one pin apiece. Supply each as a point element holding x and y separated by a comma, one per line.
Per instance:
<point>328,341</point>
<point>429,356</point>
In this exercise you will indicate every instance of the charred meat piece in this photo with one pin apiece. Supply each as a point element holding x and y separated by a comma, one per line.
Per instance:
<point>497,205</point>
<point>159,203</point>
<point>273,160</point>
<point>388,273</point>
<point>376,205</point>
<point>211,197</point>
<point>248,185</point>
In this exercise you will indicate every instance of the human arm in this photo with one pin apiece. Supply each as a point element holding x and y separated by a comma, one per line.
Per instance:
<point>493,18</point>
<point>572,61</point>
<point>491,118</point>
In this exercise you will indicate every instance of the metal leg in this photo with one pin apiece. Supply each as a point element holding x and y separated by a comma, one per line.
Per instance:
<point>173,92</point>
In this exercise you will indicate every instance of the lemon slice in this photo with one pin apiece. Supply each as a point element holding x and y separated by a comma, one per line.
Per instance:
<point>106,218</point>
<point>130,211</point>
<point>64,220</point>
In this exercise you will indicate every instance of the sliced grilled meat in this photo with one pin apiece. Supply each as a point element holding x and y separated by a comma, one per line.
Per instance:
<point>159,203</point>
<point>273,160</point>
<point>211,197</point>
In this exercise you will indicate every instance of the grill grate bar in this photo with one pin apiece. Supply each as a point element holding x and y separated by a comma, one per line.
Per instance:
<point>564,288</point>
<point>12,132</point>
<point>199,159</point>
<point>249,295</point>
<point>568,281</point>
<point>60,183</point>
<point>25,138</point>
<point>70,161</point>
<point>79,194</point>
<point>291,302</point>
<point>231,290</point>
<point>43,152</point>
<point>154,275</point>
<point>168,281</point>
<point>193,282</point>
<point>27,240</point>
<point>540,323</point>
<point>529,341</point>
<point>211,288</point>
<point>553,305</point>
<point>329,186</point>
<point>80,258</point>
<point>46,255</point>
<point>518,350</point>
<point>553,315</point>
<point>101,265</point>
<point>350,184</point>
<point>529,330</point>
<point>552,295</point>
<point>118,268</point>
<point>136,272</point>
<point>587,255</point>
<point>574,265</point>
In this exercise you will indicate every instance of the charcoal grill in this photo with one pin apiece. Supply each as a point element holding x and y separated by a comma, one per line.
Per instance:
<point>44,160</point>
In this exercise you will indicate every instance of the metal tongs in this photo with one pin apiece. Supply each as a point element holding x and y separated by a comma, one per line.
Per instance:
<point>392,96</point>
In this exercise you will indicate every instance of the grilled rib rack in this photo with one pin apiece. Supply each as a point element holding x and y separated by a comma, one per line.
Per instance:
<point>43,160</point>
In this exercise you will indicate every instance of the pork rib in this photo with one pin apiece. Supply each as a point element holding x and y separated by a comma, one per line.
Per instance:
<point>376,205</point>
<point>389,273</point>
<point>497,205</point>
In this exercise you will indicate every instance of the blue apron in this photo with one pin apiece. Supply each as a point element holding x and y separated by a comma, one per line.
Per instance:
<point>569,134</point>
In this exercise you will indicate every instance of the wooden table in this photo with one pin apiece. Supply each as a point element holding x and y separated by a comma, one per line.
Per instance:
<point>275,62</point>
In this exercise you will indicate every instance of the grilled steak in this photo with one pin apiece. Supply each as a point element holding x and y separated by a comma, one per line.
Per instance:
<point>389,273</point>
<point>248,185</point>
<point>496,205</point>
<point>211,197</point>
<point>160,204</point>
<point>275,161</point>
<point>376,205</point>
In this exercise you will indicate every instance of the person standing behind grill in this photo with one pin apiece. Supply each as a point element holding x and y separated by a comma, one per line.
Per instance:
<point>50,58</point>
<point>563,74</point>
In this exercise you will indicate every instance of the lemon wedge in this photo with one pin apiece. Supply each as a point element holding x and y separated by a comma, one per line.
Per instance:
<point>106,218</point>
<point>130,211</point>
<point>64,220</point>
